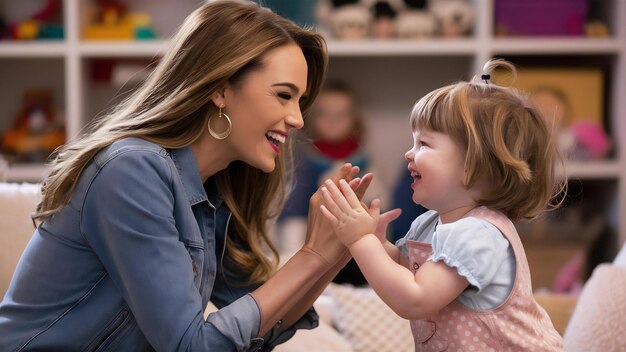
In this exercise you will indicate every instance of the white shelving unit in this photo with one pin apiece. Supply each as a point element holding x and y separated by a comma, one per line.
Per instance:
<point>389,76</point>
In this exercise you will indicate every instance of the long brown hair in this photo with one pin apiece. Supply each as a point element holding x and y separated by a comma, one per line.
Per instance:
<point>507,143</point>
<point>218,43</point>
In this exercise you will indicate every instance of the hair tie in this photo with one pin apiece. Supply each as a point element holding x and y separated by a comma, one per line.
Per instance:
<point>485,78</point>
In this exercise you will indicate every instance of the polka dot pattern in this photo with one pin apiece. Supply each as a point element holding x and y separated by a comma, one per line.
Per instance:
<point>520,324</point>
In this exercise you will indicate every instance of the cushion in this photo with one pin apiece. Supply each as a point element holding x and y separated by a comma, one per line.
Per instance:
<point>322,338</point>
<point>367,322</point>
<point>17,202</point>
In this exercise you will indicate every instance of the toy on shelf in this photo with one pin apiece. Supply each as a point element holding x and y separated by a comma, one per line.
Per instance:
<point>345,19</point>
<point>113,21</point>
<point>595,25</point>
<point>36,132</point>
<point>585,140</point>
<point>45,24</point>
<point>384,19</point>
<point>540,17</point>
<point>416,21</point>
<point>455,17</point>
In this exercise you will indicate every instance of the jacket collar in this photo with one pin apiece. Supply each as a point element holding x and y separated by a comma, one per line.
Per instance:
<point>185,162</point>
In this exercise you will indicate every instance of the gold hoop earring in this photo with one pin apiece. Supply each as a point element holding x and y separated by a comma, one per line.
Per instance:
<point>220,135</point>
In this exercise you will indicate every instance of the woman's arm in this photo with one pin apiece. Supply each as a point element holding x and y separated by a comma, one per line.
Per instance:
<point>289,293</point>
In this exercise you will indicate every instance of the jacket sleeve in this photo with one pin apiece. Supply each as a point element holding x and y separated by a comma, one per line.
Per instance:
<point>228,288</point>
<point>127,217</point>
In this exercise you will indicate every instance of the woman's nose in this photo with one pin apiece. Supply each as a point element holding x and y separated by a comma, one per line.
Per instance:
<point>295,120</point>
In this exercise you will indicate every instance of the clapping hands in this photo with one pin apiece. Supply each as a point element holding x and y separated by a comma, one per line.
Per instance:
<point>350,218</point>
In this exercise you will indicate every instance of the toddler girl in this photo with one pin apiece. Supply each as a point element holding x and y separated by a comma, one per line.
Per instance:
<point>482,158</point>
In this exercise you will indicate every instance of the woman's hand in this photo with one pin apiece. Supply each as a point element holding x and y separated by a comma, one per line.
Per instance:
<point>321,238</point>
<point>349,218</point>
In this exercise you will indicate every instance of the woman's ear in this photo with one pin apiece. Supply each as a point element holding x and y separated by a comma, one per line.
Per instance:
<point>218,97</point>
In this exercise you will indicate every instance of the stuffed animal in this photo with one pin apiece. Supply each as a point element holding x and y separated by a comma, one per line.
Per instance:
<point>384,16</point>
<point>590,142</point>
<point>345,19</point>
<point>415,21</point>
<point>455,17</point>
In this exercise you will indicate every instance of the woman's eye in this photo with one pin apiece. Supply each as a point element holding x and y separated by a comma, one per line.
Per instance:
<point>285,96</point>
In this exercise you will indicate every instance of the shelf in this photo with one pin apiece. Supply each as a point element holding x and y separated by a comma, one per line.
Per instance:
<point>123,49</point>
<point>593,170</point>
<point>27,172</point>
<point>431,47</point>
<point>33,49</point>
<point>558,45</point>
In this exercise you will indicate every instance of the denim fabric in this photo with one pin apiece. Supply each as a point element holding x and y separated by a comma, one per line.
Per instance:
<point>130,263</point>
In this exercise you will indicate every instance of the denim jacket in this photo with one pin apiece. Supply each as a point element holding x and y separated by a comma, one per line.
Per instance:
<point>130,263</point>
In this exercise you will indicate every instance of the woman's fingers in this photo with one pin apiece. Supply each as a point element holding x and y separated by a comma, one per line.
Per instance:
<point>363,185</point>
<point>374,209</point>
<point>346,171</point>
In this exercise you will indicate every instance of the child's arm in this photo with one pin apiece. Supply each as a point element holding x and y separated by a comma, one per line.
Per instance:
<point>410,296</point>
<point>433,287</point>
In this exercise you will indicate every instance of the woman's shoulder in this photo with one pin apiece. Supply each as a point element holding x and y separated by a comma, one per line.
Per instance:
<point>132,145</point>
<point>132,155</point>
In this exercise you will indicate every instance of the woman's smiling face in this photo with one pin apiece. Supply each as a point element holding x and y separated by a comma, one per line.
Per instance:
<point>265,106</point>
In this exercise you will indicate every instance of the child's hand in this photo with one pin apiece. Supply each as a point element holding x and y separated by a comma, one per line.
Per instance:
<point>344,211</point>
<point>384,220</point>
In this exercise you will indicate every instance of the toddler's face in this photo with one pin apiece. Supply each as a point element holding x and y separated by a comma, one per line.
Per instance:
<point>437,166</point>
<point>334,117</point>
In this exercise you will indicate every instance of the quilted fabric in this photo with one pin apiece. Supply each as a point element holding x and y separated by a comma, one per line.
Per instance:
<point>367,323</point>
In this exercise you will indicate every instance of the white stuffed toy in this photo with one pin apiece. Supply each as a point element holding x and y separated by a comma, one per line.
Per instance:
<point>415,21</point>
<point>345,19</point>
<point>455,17</point>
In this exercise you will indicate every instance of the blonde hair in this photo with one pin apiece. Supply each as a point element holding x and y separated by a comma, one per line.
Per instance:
<point>219,43</point>
<point>507,144</point>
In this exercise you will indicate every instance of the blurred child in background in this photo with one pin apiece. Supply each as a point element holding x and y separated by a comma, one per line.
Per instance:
<point>333,135</point>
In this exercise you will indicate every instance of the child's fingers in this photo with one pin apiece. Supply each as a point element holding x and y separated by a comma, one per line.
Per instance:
<point>352,199</point>
<point>328,215</point>
<point>337,196</point>
<point>390,215</point>
<point>330,203</point>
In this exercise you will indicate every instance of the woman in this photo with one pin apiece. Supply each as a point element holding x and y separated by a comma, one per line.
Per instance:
<point>162,207</point>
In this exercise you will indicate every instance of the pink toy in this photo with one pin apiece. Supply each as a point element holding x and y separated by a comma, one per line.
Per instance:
<point>590,140</point>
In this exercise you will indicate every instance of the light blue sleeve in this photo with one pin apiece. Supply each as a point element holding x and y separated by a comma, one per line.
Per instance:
<point>420,230</point>
<point>127,219</point>
<point>473,246</point>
